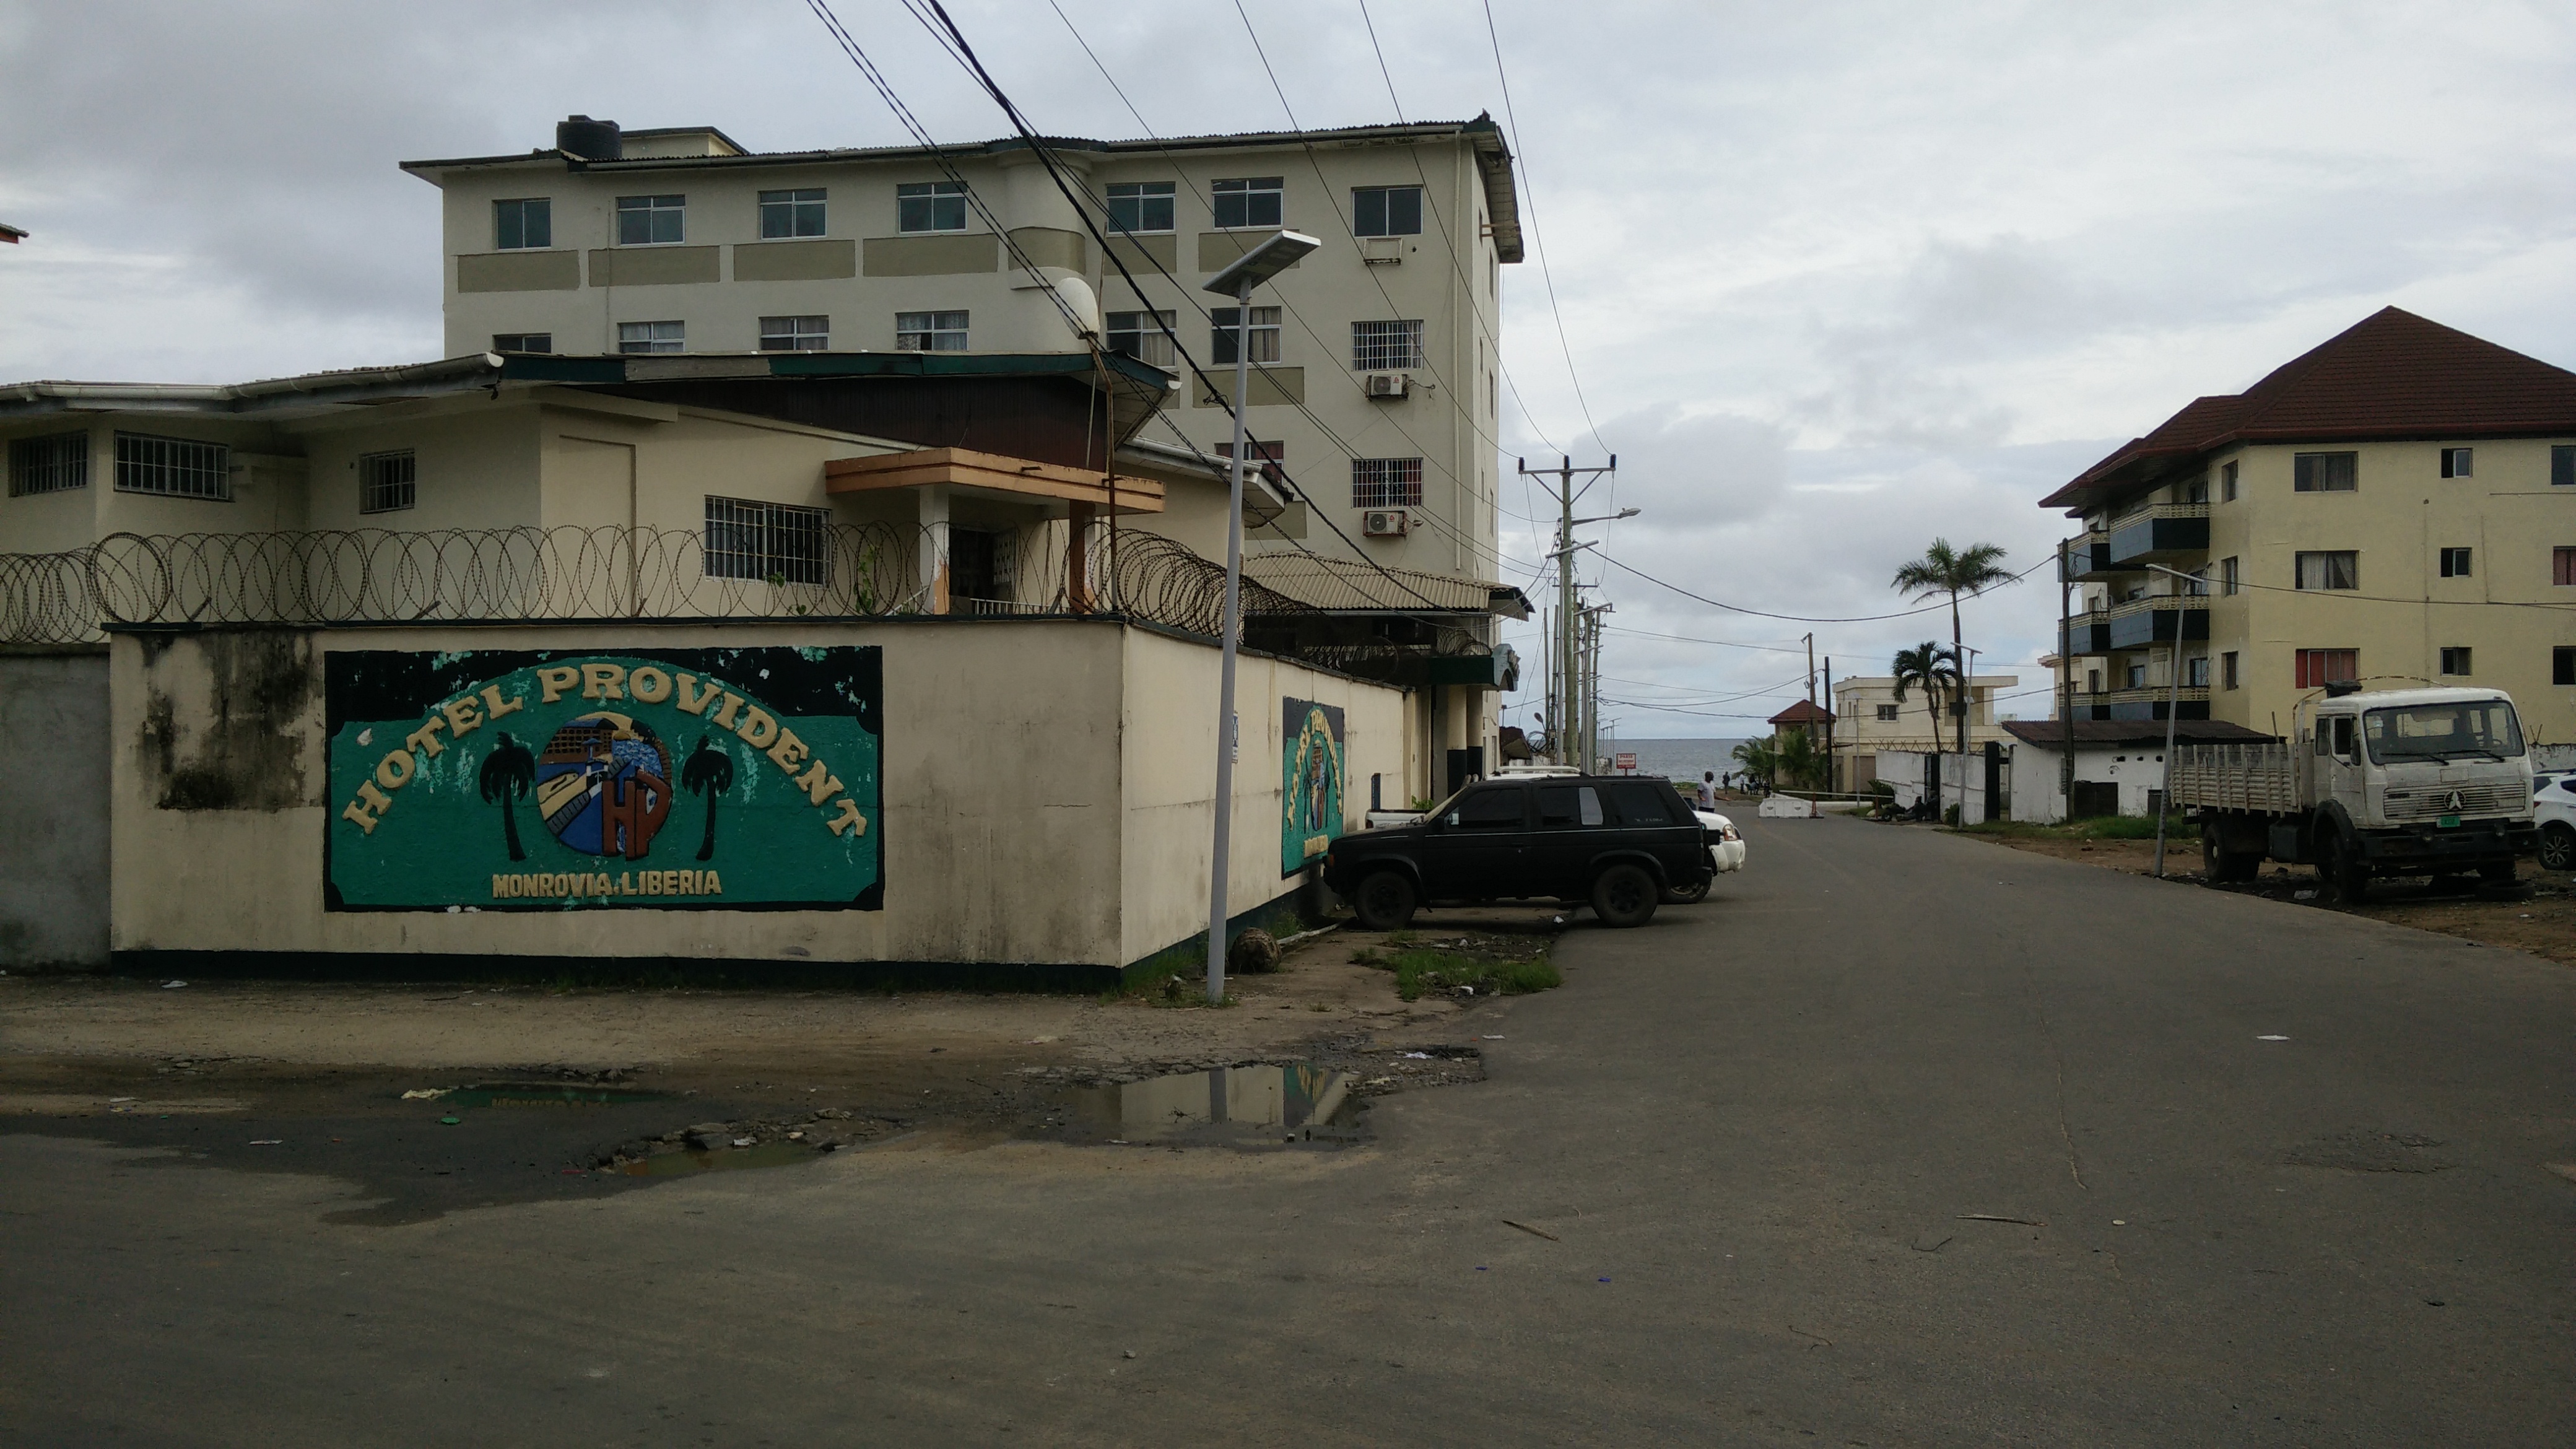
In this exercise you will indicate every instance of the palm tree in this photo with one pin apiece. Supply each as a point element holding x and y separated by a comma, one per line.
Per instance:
<point>508,774</point>
<point>1760,758</point>
<point>708,771</point>
<point>1932,669</point>
<point>1802,764</point>
<point>1945,570</point>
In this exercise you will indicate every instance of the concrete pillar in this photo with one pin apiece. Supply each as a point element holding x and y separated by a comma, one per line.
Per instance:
<point>1045,226</point>
<point>933,498</point>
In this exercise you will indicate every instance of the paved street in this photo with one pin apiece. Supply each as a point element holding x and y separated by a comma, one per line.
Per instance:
<point>1899,1139</point>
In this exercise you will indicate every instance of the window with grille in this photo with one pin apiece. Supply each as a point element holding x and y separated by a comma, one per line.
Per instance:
<point>1222,322</point>
<point>2456,462</point>
<point>524,223</point>
<point>2562,566</point>
<point>780,542</point>
<point>791,213</point>
<point>1386,482</point>
<point>2455,659</point>
<point>929,331</point>
<point>1144,336</point>
<point>2320,667</point>
<point>1385,346</point>
<point>50,464</point>
<point>1887,713</point>
<point>650,220</point>
<point>930,206</point>
<point>2325,472</point>
<point>2338,569</point>
<point>523,342</point>
<point>385,482</point>
<point>1251,201</point>
<point>1386,211</point>
<point>652,336</point>
<point>795,334</point>
<point>1141,206</point>
<point>177,467</point>
<point>2455,563</point>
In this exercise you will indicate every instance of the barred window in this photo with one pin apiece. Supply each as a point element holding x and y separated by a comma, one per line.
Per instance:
<point>1140,206</point>
<point>1252,201</point>
<point>795,334</point>
<point>1386,211</point>
<point>929,331</point>
<point>179,467</point>
<point>779,542</point>
<point>385,482</point>
<point>1386,482</point>
<point>791,213</point>
<point>652,336</point>
<point>50,464</point>
<point>1144,336</point>
<point>1265,334</point>
<point>930,206</point>
<point>1385,346</point>
<point>650,220</point>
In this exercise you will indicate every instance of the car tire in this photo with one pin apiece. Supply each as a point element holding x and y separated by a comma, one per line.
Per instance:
<point>1687,895</point>
<point>1625,895</point>
<point>2558,846</point>
<point>2339,863</point>
<point>1385,901</point>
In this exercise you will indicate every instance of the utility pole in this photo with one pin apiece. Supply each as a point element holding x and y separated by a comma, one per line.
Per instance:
<point>1811,667</point>
<point>1832,785</point>
<point>1592,684</point>
<point>1565,681</point>
<point>2066,676</point>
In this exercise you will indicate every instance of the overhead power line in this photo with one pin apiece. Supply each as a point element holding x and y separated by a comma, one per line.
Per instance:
<point>1800,618</point>
<point>1537,243</point>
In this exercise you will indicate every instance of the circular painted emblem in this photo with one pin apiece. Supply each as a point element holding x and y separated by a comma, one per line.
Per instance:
<point>604,785</point>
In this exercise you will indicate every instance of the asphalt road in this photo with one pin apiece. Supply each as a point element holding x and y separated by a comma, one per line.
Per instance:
<point>1899,1139</point>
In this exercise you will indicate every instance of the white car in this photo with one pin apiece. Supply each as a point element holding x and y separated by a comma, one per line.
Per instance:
<point>1725,848</point>
<point>2553,804</point>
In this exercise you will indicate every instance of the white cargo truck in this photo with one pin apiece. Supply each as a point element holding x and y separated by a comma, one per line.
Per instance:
<point>2397,782</point>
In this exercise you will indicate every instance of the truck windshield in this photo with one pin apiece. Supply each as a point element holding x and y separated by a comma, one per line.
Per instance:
<point>2483,728</point>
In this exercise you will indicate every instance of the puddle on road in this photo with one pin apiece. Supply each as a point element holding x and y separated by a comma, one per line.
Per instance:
<point>683,1163</point>
<point>1246,1106</point>
<point>544,1094</point>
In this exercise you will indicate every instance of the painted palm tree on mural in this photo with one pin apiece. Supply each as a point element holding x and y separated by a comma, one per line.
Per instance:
<point>708,771</point>
<point>1945,570</point>
<point>509,773</point>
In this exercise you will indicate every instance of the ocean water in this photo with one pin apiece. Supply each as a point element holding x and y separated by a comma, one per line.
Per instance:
<point>1677,759</point>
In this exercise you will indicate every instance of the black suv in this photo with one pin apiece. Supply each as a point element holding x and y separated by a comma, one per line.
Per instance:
<point>1616,841</point>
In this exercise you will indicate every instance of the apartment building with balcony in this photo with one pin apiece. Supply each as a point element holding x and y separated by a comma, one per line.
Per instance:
<point>2396,506</point>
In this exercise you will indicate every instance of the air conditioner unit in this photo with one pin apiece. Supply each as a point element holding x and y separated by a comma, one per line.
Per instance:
<point>1386,384</point>
<point>1386,523</point>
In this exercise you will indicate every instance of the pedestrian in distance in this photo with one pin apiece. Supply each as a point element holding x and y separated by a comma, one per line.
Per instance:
<point>1708,789</point>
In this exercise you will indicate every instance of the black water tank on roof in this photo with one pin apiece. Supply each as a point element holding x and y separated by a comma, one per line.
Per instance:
<point>591,140</point>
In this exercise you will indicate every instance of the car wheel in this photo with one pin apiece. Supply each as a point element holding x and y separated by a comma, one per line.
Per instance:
<point>2339,862</point>
<point>2558,846</point>
<point>1687,895</point>
<point>1385,901</point>
<point>1624,896</point>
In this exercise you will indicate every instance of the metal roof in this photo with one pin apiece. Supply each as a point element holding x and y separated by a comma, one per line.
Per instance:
<point>1351,586</point>
<point>2051,734</point>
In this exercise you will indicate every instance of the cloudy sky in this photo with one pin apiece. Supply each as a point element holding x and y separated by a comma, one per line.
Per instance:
<point>1834,279</point>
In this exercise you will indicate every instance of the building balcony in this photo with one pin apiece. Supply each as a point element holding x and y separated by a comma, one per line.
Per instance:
<point>2084,558</point>
<point>2146,701</point>
<point>2165,533</point>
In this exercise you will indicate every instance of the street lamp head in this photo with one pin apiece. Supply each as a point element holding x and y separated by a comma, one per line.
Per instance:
<point>1627,513</point>
<point>1263,262</point>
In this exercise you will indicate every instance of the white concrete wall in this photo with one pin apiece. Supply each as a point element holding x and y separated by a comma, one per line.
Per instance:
<point>2136,769</point>
<point>54,745</point>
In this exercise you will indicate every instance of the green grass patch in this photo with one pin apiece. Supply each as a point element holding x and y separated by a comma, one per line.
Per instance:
<point>1422,969</point>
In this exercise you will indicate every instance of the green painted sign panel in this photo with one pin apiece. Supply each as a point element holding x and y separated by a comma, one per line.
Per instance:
<point>742,779</point>
<point>1310,782</point>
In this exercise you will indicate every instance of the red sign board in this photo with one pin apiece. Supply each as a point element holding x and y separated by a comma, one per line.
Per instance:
<point>1626,763</point>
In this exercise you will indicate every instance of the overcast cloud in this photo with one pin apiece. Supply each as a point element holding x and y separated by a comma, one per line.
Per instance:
<point>1835,278</point>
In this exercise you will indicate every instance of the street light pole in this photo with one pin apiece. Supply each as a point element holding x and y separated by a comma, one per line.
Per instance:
<point>1248,271</point>
<point>2173,713</point>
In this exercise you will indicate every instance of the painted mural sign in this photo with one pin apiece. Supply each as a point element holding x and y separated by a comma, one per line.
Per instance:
<point>1310,782</point>
<point>744,779</point>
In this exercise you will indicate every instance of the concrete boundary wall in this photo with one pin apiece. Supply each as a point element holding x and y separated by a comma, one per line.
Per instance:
<point>53,809</point>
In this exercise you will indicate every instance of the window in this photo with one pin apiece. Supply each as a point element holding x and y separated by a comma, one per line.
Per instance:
<point>1271,454</point>
<point>1644,804</point>
<point>524,223</point>
<point>1386,482</point>
<point>1386,211</point>
<point>2137,676</point>
<point>2325,472</point>
<point>2562,466</point>
<point>791,213</point>
<point>648,220</point>
<point>930,206</point>
<point>1568,807</point>
<point>2443,732</point>
<point>2195,672</point>
<point>779,542</point>
<point>1489,810</point>
<point>2196,491</point>
<point>2227,482</point>
<point>385,482</point>
<point>1251,202</point>
<point>2227,670</point>
<point>179,467</point>
<point>2455,563</point>
<point>2092,681</point>
<point>2455,462</point>
<point>1385,346</point>
<point>2320,667</point>
<point>2562,664</point>
<point>50,464</point>
<point>795,334</point>
<point>2562,567</point>
<point>1265,334</point>
<point>975,577</point>
<point>1887,713</point>
<point>1140,206</point>
<point>1144,336</point>
<point>2230,578</point>
<point>652,336</point>
<point>523,342</point>
<point>929,331</point>
<point>2336,570</point>
<point>2455,659</point>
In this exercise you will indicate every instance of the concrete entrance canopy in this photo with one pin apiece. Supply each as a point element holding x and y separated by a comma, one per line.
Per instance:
<point>1052,487</point>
